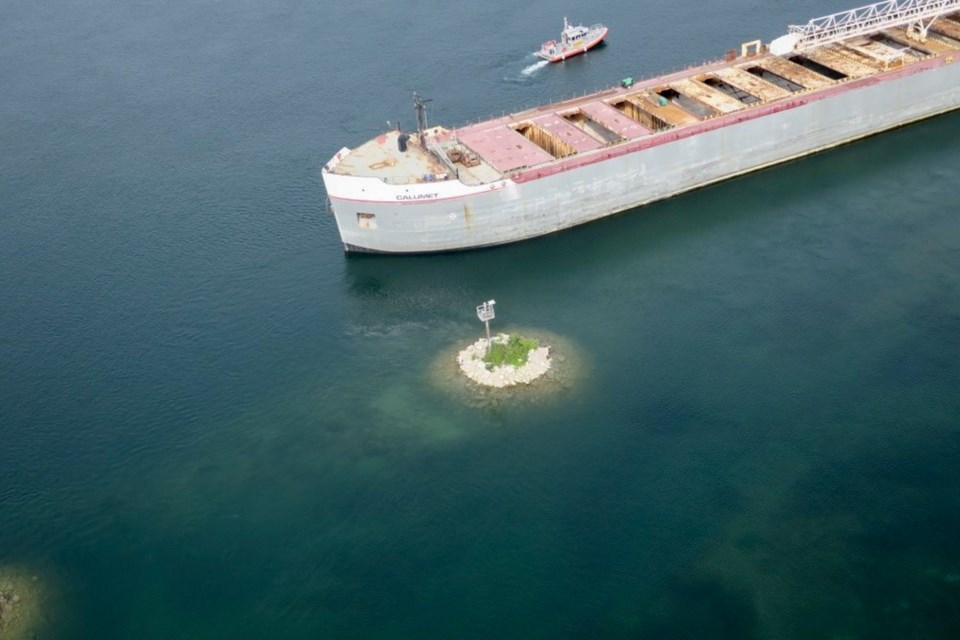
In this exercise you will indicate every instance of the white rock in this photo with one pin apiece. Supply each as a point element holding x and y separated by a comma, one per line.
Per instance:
<point>471,364</point>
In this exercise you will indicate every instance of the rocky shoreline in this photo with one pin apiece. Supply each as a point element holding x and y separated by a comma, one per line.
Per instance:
<point>470,361</point>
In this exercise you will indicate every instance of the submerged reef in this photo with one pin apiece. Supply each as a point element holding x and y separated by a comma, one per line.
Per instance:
<point>20,597</point>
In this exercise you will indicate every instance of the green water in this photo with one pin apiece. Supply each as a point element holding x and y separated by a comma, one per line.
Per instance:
<point>215,424</point>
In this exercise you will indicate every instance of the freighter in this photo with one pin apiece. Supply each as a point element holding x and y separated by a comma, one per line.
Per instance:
<point>833,80</point>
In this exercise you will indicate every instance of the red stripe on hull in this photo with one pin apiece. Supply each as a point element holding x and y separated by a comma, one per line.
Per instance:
<point>577,52</point>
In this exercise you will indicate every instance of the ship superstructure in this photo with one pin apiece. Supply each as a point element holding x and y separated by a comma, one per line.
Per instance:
<point>833,80</point>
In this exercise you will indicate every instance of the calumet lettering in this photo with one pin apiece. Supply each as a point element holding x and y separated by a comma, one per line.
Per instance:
<point>419,196</point>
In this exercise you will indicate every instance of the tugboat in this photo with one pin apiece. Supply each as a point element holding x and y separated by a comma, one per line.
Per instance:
<point>574,40</point>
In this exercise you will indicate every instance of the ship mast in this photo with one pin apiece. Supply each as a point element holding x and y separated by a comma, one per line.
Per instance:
<point>420,106</point>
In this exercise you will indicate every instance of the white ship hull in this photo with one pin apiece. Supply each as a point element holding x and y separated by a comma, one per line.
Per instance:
<point>449,215</point>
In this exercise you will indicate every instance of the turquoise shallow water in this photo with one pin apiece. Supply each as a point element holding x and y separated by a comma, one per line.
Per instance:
<point>214,424</point>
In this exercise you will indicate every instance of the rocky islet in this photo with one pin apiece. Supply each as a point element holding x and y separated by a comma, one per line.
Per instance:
<point>472,364</point>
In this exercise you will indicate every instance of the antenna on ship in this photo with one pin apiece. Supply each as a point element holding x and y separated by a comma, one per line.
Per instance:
<point>420,106</point>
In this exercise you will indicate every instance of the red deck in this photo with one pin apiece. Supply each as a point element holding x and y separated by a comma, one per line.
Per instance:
<point>501,147</point>
<point>614,120</point>
<point>563,130</point>
<point>507,151</point>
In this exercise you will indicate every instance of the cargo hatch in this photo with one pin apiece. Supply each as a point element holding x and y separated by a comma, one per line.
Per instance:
<point>551,144</point>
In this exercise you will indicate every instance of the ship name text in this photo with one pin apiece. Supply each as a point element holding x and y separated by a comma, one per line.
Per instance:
<point>417,196</point>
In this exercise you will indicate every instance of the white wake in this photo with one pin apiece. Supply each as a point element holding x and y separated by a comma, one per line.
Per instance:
<point>527,71</point>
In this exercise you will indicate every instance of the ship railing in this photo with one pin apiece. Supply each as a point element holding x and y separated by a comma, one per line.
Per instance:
<point>394,180</point>
<point>427,177</point>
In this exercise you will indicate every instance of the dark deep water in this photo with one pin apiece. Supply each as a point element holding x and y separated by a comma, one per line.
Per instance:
<point>214,424</point>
